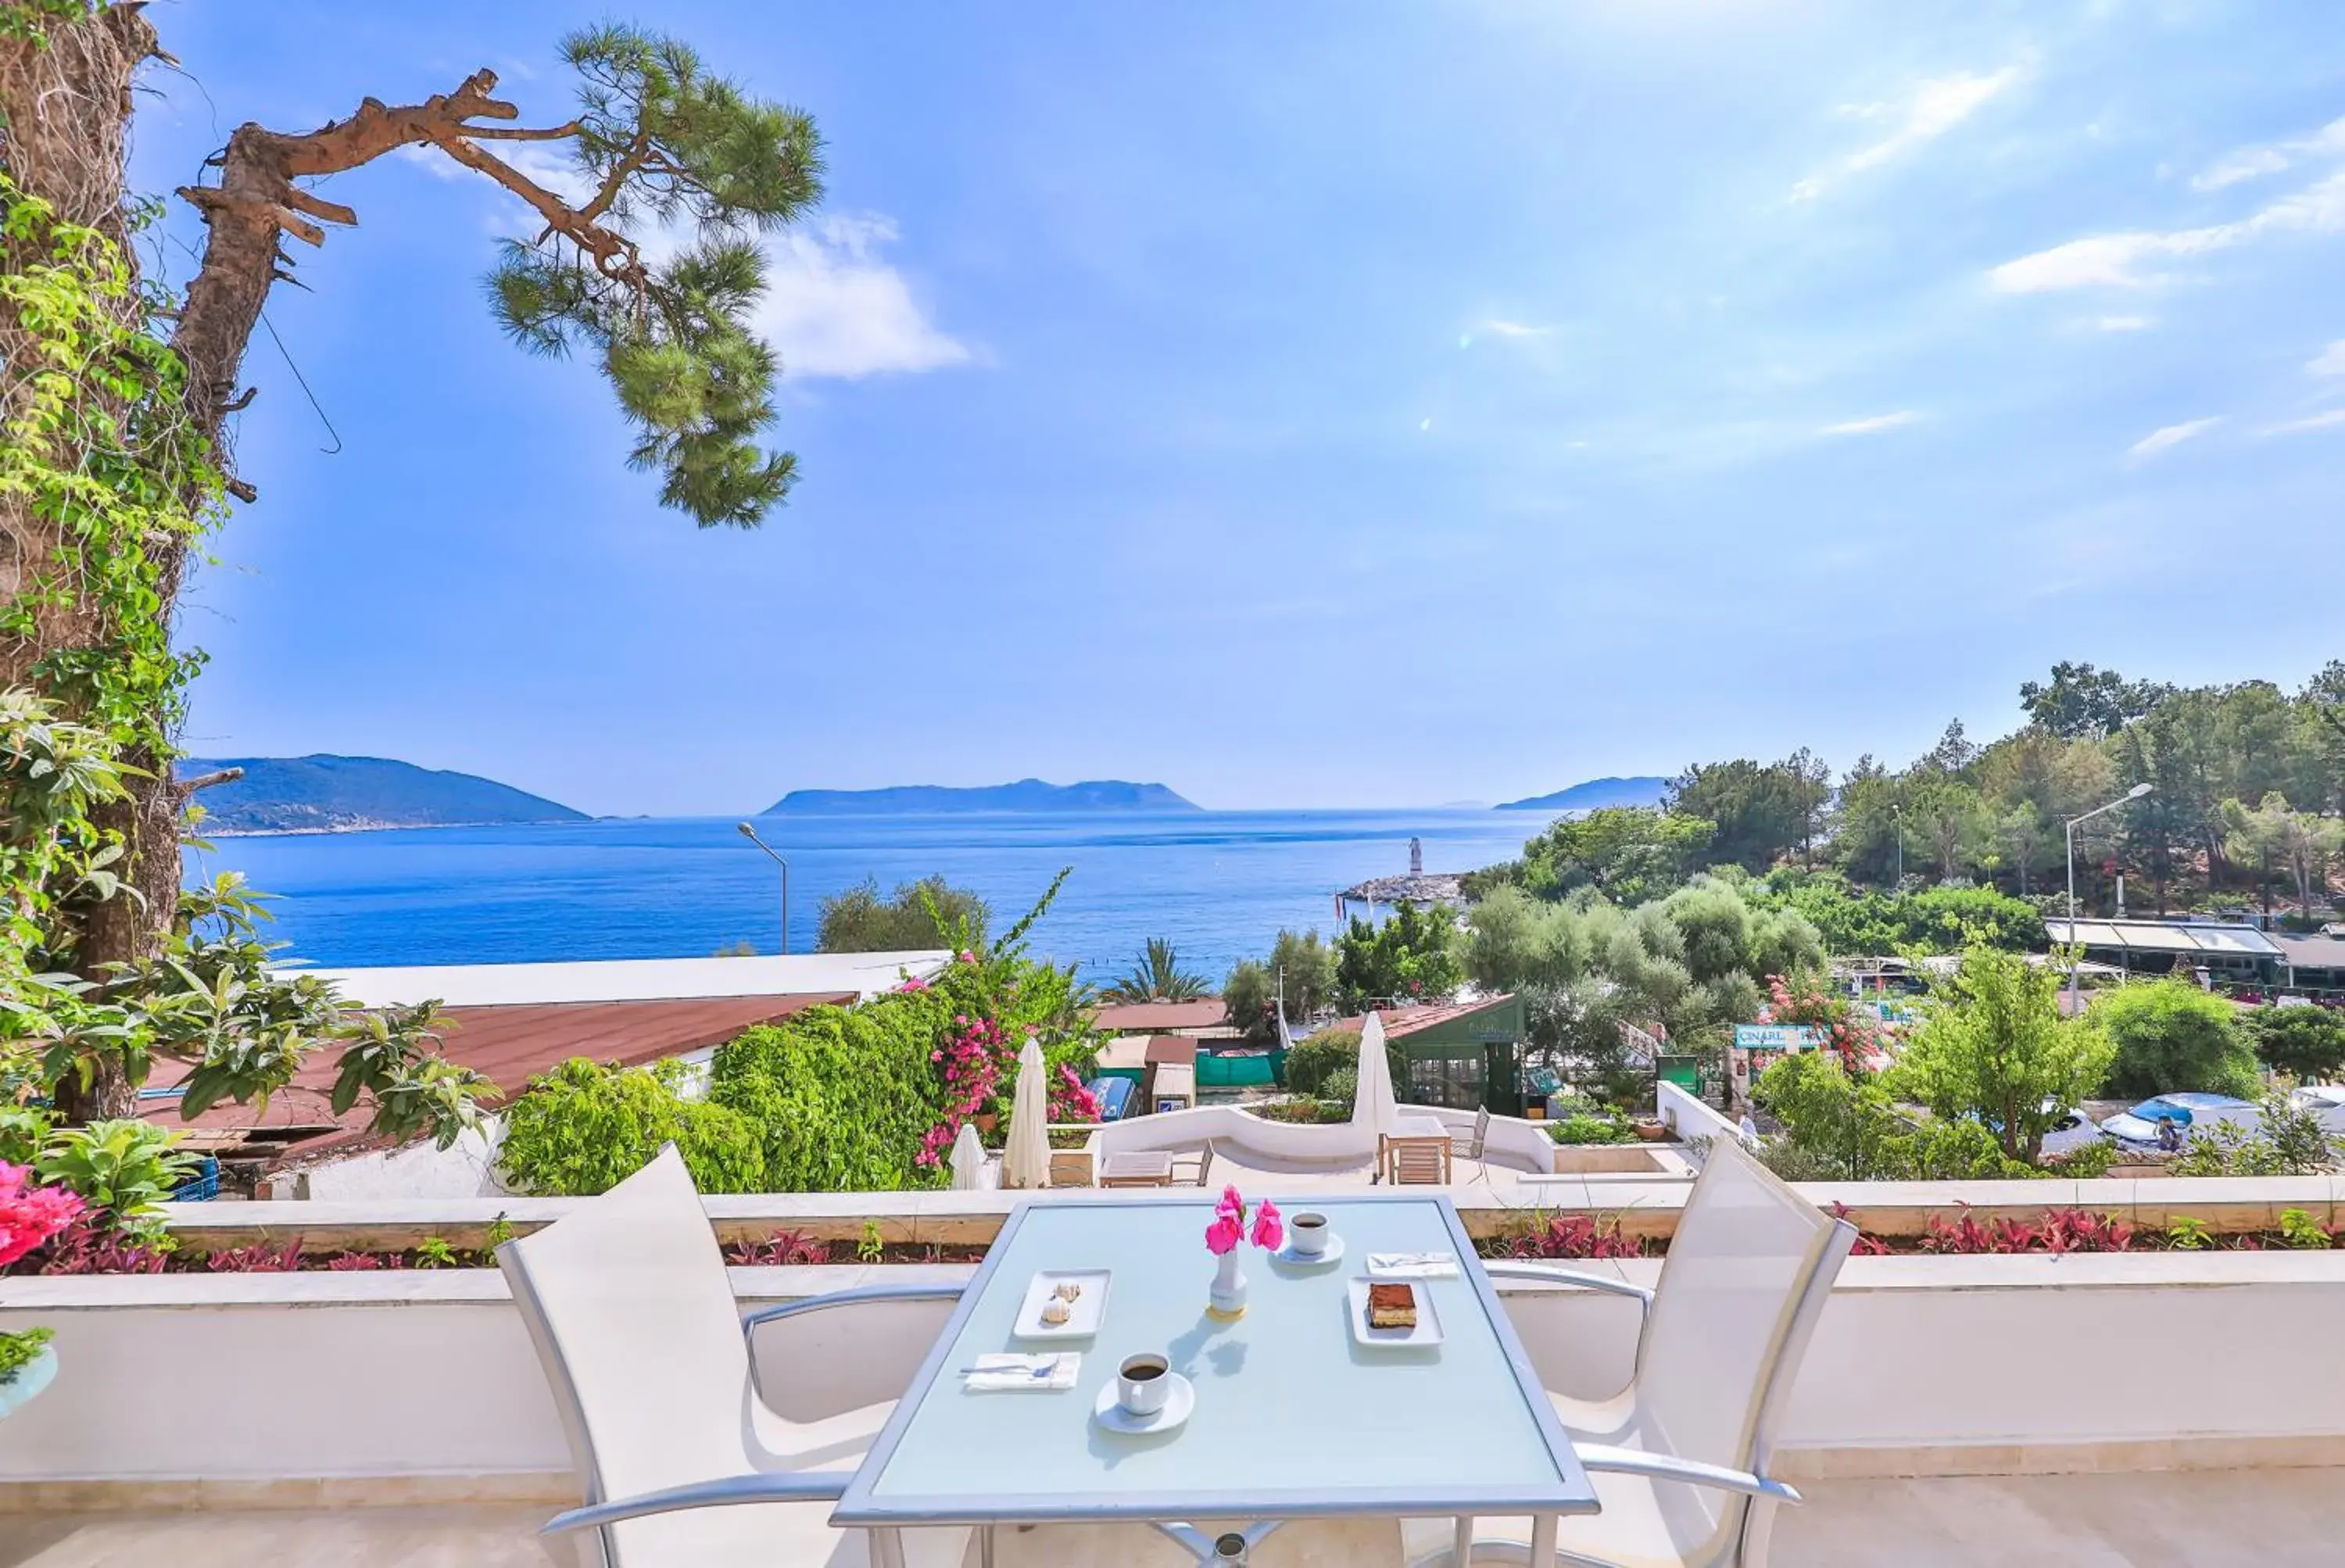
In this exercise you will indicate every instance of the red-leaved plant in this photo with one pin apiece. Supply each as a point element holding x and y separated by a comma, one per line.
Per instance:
<point>85,1248</point>
<point>781,1250</point>
<point>2061,1230</point>
<point>1574,1235</point>
<point>258,1258</point>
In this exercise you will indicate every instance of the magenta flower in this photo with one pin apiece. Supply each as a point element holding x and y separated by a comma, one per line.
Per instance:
<point>1222,1235</point>
<point>1268,1233</point>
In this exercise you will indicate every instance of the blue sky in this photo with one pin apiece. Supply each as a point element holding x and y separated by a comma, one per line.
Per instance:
<point>1324,404</point>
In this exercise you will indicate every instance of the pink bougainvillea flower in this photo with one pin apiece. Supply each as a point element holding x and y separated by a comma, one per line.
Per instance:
<point>29,1217</point>
<point>1268,1233</point>
<point>1222,1235</point>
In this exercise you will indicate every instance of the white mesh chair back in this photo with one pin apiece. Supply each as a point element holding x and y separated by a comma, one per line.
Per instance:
<point>634,1318</point>
<point>1745,1278</point>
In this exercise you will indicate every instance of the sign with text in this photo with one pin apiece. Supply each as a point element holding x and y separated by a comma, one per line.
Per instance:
<point>1777,1037</point>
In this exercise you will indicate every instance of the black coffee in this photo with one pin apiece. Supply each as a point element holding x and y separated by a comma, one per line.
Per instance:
<point>1139,1369</point>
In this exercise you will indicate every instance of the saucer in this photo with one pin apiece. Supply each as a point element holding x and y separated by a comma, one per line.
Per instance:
<point>1179,1398</point>
<point>1294,1259</point>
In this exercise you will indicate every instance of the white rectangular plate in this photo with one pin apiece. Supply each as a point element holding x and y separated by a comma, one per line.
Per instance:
<point>1085,1313</point>
<point>1428,1322</point>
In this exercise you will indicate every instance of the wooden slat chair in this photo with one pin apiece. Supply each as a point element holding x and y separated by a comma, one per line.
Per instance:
<point>1419,1164</point>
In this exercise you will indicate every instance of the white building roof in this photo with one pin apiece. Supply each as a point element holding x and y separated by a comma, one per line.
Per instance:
<point>631,979</point>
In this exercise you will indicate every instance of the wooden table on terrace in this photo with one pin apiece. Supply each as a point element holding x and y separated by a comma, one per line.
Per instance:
<point>1142,1169</point>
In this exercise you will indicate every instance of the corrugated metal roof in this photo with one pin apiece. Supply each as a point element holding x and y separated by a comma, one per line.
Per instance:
<point>2190,937</point>
<point>2314,951</point>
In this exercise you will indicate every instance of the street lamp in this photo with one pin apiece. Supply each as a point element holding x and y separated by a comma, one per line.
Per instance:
<point>751,834</point>
<point>1897,821</point>
<point>2069,833</point>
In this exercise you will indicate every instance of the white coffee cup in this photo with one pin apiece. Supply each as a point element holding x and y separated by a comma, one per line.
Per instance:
<point>1308,1233</point>
<point>1143,1383</point>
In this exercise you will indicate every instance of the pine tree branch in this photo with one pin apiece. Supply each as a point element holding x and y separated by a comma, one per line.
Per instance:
<point>522,133</point>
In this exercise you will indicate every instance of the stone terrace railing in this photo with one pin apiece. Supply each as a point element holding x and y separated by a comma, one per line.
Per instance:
<point>420,1386</point>
<point>1641,1209</point>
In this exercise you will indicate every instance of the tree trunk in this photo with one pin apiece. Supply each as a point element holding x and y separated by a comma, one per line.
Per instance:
<point>65,112</point>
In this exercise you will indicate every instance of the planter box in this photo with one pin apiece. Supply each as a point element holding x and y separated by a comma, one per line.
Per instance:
<point>1607,1159</point>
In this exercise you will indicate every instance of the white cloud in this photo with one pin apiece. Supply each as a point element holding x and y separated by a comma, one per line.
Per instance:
<point>2125,261</point>
<point>833,307</point>
<point>2171,436</point>
<point>2329,421</point>
<point>1934,108</point>
<point>1516,329</point>
<point>1904,416</point>
<point>2125,323</point>
<point>2329,362</point>
<point>2255,162</point>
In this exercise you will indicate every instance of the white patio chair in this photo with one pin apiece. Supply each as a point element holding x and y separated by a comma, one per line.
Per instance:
<point>683,1463</point>
<point>1679,1457</point>
<point>1469,1146</point>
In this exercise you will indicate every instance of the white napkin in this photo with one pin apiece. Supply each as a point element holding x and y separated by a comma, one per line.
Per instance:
<point>1412,1265</point>
<point>1005,1373</point>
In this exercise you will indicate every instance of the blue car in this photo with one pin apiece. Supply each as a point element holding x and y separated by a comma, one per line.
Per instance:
<point>1114,1097</point>
<point>2138,1126</point>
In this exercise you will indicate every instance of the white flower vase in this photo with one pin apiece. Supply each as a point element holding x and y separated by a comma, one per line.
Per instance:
<point>1228,1297</point>
<point>31,1377</point>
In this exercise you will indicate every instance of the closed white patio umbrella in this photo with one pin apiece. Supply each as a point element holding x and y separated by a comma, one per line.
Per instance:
<point>1374,1107</point>
<point>968,1160</point>
<point>1026,1162</point>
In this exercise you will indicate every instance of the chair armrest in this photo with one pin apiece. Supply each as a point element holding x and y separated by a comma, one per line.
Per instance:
<point>732,1491</point>
<point>1523,1269</point>
<point>1668,1467</point>
<point>856,1297</point>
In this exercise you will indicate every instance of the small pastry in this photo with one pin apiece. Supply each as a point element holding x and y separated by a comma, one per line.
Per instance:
<point>1392,1306</point>
<point>1068,1290</point>
<point>1055,1313</point>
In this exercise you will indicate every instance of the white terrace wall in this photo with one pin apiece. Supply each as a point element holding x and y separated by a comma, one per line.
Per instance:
<point>323,1388</point>
<point>1261,1143</point>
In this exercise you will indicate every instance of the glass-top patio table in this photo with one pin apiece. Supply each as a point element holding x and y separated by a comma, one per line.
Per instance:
<point>1293,1419</point>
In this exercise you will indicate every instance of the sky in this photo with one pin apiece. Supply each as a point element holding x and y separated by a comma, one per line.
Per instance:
<point>1328,404</point>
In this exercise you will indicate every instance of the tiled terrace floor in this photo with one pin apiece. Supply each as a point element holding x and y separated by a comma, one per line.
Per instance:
<point>2211,1519</point>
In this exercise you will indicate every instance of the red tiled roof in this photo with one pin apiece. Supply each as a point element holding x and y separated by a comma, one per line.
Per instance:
<point>1158,1017</point>
<point>1402,1022</point>
<point>511,1045</point>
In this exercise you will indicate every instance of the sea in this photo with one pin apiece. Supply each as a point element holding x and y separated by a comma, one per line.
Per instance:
<point>1219,884</point>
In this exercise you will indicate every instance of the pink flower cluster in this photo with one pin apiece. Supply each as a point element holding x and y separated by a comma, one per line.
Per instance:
<point>1070,1101</point>
<point>1228,1227</point>
<point>30,1215</point>
<point>972,1058</point>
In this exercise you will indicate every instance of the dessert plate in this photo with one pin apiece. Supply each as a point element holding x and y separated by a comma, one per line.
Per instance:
<point>1427,1333</point>
<point>1085,1313</point>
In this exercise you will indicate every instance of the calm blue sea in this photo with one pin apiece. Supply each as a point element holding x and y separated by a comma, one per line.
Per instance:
<point>1220,884</point>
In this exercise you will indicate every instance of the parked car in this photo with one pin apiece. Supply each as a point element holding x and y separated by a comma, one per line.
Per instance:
<point>2327,1104</point>
<point>1114,1097</point>
<point>2138,1128</point>
<point>2073,1130</point>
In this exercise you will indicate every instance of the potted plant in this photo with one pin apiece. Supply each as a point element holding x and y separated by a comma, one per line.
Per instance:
<point>28,1363</point>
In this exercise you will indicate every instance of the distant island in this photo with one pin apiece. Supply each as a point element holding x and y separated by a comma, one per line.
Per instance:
<point>327,794</point>
<point>1596,794</point>
<point>1027,795</point>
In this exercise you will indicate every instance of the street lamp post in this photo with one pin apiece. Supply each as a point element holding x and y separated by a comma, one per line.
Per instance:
<point>2069,833</point>
<point>1897,818</point>
<point>750,834</point>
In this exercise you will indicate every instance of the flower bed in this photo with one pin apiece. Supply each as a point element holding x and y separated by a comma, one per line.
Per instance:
<point>2056,1232</point>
